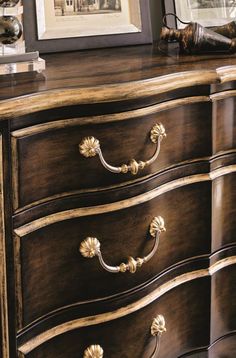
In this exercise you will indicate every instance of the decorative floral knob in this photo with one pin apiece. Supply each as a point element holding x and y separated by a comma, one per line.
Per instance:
<point>158,325</point>
<point>94,351</point>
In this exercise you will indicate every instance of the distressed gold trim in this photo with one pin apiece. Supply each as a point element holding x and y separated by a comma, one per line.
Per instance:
<point>3,270</point>
<point>18,283</point>
<point>226,73</point>
<point>101,209</point>
<point>222,95</point>
<point>124,311</point>
<point>107,118</point>
<point>15,173</point>
<point>92,190</point>
<point>101,189</point>
<point>123,204</point>
<point>134,90</point>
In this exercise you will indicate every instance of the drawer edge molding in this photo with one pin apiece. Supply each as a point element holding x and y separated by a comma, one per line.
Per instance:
<point>209,160</point>
<point>222,95</point>
<point>42,338</point>
<point>123,204</point>
<point>123,92</point>
<point>3,268</point>
<point>107,118</point>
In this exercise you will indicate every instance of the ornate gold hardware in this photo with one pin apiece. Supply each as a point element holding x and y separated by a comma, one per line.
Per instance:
<point>158,327</point>
<point>90,248</point>
<point>94,351</point>
<point>157,224</point>
<point>90,147</point>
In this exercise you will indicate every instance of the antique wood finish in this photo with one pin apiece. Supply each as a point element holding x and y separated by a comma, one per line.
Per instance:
<point>223,308</point>
<point>224,211</point>
<point>224,121</point>
<point>58,323</point>
<point>65,302</point>
<point>82,202</point>
<point>224,347</point>
<point>135,63</point>
<point>127,337</point>
<point>123,233</point>
<point>7,279</point>
<point>4,347</point>
<point>188,129</point>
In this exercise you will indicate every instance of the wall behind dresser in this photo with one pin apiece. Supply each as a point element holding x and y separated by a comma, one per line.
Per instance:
<point>156,17</point>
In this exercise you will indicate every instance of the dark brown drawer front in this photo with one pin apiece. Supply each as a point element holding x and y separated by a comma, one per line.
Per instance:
<point>54,273</point>
<point>224,348</point>
<point>224,211</point>
<point>130,336</point>
<point>224,124</point>
<point>49,163</point>
<point>223,311</point>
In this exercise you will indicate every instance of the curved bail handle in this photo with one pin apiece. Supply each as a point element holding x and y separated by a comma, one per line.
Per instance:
<point>176,17</point>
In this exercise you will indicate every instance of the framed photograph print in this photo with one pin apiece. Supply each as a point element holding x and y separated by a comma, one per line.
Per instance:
<point>64,25</point>
<point>206,12</point>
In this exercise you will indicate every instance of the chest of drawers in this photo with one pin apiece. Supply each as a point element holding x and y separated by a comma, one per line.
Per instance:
<point>118,202</point>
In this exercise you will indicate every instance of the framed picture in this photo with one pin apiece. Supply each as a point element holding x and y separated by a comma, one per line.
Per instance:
<point>206,12</point>
<point>65,25</point>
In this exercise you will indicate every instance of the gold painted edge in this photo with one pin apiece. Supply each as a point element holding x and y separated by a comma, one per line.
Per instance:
<point>222,95</point>
<point>3,272</point>
<point>124,311</point>
<point>106,118</point>
<point>226,73</point>
<point>15,173</point>
<point>18,281</point>
<point>105,208</point>
<point>109,187</point>
<point>123,204</point>
<point>19,209</point>
<point>102,94</point>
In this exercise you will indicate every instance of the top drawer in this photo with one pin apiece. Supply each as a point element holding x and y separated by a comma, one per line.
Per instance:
<point>47,161</point>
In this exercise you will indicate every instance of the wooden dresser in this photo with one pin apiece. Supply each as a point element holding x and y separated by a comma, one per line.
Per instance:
<point>118,202</point>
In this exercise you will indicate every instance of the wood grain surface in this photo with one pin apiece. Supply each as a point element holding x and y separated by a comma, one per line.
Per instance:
<point>49,163</point>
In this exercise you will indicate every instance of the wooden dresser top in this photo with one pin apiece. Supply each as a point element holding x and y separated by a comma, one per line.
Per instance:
<point>108,66</point>
<point>139,71</point>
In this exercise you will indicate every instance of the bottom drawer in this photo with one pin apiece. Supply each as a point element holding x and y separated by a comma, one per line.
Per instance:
<point>186,309</point>
<point>224,348</point>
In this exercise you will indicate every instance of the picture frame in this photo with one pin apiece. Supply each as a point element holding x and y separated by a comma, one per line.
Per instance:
<point>44,29</point>
<point>206,12</point>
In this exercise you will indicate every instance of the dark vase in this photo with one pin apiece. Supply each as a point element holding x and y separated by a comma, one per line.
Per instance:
<point>8,3</point>
<point>10,29</point>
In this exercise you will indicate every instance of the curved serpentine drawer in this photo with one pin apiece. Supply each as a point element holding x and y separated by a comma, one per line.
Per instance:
<point>47,162</point>
<point>130,336</point>
<point>52,273</point>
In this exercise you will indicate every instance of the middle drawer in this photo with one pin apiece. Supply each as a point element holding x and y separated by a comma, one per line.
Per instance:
<point>52,273</point>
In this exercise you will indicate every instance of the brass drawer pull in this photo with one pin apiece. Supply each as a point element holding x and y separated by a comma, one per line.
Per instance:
<point>157,328</point>
<point>90,147</point>
<point>90,248</point>
<point>94,351</point>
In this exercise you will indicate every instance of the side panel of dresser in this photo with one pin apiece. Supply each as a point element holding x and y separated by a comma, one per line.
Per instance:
<point>7,284</point>
<point>3,289</point>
